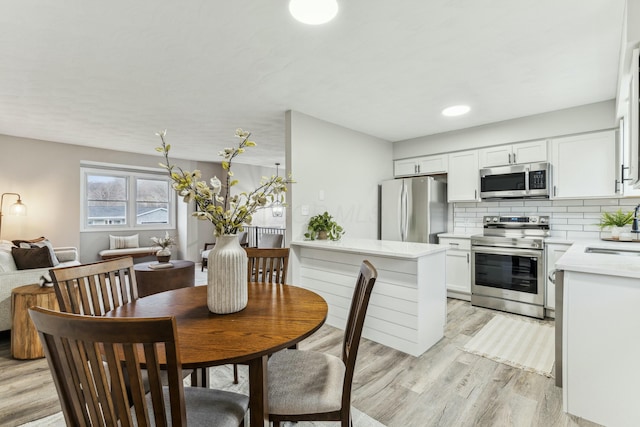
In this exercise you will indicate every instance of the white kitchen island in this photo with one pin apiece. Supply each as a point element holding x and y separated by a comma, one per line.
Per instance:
<point>408,304</point>
<point>600,332</point>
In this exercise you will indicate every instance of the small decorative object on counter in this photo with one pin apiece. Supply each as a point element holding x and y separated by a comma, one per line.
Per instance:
<point>323,227</point>
<point>227,287</point>
<point>616,221</point>
<point>164,254</point>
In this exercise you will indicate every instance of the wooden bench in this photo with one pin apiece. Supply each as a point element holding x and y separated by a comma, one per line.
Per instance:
<point>132,252</point>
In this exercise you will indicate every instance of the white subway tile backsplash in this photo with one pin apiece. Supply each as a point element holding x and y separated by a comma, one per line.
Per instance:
<point>601,202</point>
<point>569,219</point>
<point>568,215</point>
<point>592,215</point>
<point>465,205</point>
<point>547,209</point>
<point>567,203</point>
<point>582,221</point>
<point>512,203</point>
<point>538,203</point>
<point>583,209</point>
<point>553,221</point>
<point>568,227</point>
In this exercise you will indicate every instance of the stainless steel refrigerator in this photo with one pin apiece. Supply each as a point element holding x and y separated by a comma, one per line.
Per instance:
<point>413,209</point>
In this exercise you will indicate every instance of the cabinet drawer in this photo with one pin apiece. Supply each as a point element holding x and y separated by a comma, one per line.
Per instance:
<point>461,243</point>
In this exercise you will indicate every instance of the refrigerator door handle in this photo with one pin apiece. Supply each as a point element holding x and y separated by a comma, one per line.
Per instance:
<point>403,212</point>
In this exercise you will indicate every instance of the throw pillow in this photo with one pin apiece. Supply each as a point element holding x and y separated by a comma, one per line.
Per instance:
<point>27,259</point>
<point>38,243</point>
<point>6,260</point>
<point>123,242</point>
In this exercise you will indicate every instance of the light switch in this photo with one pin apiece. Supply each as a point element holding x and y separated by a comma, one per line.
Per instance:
<point>321,195</point>
<point>304,210</point>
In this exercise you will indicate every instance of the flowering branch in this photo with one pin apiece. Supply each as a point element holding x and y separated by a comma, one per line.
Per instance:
<point>229,213</point>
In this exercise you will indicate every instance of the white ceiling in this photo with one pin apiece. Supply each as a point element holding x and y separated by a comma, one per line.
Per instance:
<point>111,73</point>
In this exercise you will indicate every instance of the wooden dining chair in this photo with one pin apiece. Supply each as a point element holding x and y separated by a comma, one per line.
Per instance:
<point>270,240</point>
<point>312,386</point>
<point>93,289</point>
<point>267,265</point>
<point>205,254</point>
<point>90,357</point>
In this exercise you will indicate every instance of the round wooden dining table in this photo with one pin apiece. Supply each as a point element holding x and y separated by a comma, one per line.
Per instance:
<point>276,317</point>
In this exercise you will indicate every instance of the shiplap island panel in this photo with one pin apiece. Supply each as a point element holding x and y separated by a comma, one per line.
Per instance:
<point>407,310</point>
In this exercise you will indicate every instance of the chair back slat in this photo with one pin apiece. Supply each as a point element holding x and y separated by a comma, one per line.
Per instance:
<point>90,356</point>
<point>355,322</point>
<point>93,289</point>
<point>267,265</point>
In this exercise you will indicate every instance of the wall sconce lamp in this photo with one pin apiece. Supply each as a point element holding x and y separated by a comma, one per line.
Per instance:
<point>276,207</point>
<point>18,208</point>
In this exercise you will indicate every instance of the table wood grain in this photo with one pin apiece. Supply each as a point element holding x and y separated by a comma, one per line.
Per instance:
<point>276,317</point>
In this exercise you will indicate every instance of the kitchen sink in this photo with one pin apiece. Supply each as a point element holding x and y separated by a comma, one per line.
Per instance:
<point>609,251</point>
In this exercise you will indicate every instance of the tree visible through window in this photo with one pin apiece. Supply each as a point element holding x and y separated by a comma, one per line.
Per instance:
<point>123,199</point>
<point>106,200</point>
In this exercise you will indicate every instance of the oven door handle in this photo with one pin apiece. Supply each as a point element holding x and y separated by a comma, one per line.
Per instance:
<point>506,251</point>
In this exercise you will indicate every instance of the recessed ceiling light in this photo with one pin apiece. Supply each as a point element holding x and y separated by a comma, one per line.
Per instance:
<point>313,12</point>
<point>456,110</point>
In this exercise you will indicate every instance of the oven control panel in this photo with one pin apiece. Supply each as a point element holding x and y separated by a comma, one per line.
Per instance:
<point>516,220</point>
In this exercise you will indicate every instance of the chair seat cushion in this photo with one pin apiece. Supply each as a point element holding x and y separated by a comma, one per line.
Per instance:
<point>205,254</point>
<point>210,407</point>
<point>304,382</point>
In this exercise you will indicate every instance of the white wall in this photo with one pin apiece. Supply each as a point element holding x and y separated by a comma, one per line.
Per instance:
<point>343,164</point>
<point>584,118</point>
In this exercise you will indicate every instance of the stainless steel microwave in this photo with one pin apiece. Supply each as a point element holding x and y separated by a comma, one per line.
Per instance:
<point>515,181</point>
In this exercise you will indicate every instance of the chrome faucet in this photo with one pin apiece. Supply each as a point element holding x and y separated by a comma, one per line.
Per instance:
<point>634,226</point>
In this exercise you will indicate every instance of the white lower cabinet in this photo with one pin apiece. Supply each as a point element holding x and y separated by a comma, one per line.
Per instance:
<point>553,252</point>
<point>458,268</point>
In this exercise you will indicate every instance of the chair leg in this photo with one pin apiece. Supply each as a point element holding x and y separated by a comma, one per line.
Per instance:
<point>235,373</point>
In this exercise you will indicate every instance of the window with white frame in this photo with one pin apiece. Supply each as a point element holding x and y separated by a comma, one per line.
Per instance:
<point>120,198</point>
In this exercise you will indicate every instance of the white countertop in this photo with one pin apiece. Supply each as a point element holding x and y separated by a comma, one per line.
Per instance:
<point>576,259</point>
<point>386,248</point>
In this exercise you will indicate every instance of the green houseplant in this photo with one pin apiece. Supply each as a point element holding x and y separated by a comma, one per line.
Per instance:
<point>322,226</point>
<point>616,221</point>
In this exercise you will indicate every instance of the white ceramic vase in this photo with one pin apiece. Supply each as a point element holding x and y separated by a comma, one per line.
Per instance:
<point>227,288</point>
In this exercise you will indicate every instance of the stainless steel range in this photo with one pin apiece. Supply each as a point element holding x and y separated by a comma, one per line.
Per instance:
<point>507,264</point>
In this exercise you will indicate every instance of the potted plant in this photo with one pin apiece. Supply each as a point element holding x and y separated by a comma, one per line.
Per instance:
<point>164,254</point>
<point>615,221</point>
<point>322,227</point>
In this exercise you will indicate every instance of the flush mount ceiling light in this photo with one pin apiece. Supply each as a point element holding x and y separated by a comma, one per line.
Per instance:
<point>313,12</point>
<point>456,110</point>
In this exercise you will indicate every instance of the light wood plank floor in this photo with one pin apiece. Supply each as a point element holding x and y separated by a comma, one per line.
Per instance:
<point>444,387</point>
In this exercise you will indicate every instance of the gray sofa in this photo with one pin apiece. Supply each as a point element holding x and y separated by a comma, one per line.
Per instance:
<point>11,277</point>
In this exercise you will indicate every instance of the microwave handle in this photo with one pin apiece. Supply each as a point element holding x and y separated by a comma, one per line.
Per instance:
<point>526,180</point>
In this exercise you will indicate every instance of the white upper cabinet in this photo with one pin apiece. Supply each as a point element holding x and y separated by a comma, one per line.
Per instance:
<point>524,152</point>
<point>424,165</point>
<point>585,165</point>
<point>463,177</point>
